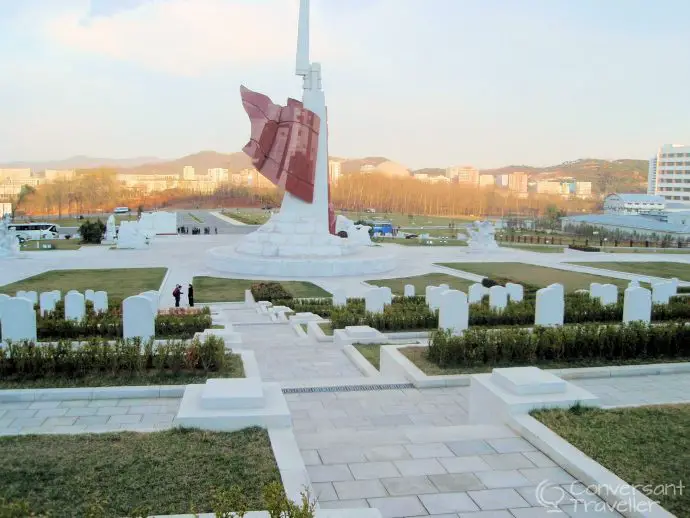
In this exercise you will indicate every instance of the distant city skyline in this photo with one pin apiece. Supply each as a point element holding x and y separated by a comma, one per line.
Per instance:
<point>427,83</point>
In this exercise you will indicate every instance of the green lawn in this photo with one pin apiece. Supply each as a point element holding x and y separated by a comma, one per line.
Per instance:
<point>326,328</point>
<point>622,250</point>
<point>420,283</point>
<point>372,352</point>
<point>169,472</point>
<point>646,446</point>
<point>402,220</point>
<point>119,283</point>
<point>248,217</point>
<point>76,222</point>
<point>540,276</point>
<point>59,244</point>
<point>655,269</point>
<point>416,242</point>
<point>544,249</point>
<point>216,289</point>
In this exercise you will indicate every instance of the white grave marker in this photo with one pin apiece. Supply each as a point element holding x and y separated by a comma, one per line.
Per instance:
<point>18,320</point>
<point>409,290</point>
<point>550,307</point>
<point>339,297</point>
<point>498,298</point>
<point>476,293</point>
<point>138,318</point>
<point>516,292</point>
<point>637,305</point>
<point>100,302</point>
<point>75,306</point>
<point>608,294</point>
<point>454,312</point>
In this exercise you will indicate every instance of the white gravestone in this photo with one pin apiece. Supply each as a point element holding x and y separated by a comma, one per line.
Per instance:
<point>454,312</point>
<point>608,294</point>
<point>88,295</point>
<point>18,320</point>
<point>58,295</point>
<point>637,305</point>
<point>47,301</point>
<point>154,299</point>
<point>376,299</point>
<point>662,292</point>
<point>498,298</point>
<point>29,295</point>
<point>675,282</point>
<point>427,293</point>
<point>595,290</point>
<point>516,292</point>
<point>550,307</point>
<point>75,306</point>
<point>434,298</point>
<point>110,231</point>
<point>409,290</point>
<point>476,293</point>
<point>387,294</point>
<point>100,302</point>
<point>634,284</point>
<point>138,319</point>
<point>3,299</point>
<point>339,297</point>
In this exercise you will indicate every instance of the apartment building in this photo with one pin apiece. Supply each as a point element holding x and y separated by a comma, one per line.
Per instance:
<point>463,174</point>
<point>517,182</point>
<point>669,173</point>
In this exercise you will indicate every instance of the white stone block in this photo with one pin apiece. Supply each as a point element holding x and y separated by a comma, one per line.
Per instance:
<point>409,290</point>
<point>339,297</point>
<point>376,299</point>
<point>558,287</point>
<point>75,306</point>
<point>304,318</point>
<point>595,290</point>
<point>427,293</point>
<point>32,296</point>
<point>498,298</point>
<point>444,286</point>
<point>249,298</point>
<point>18,320</point>
<point>138,319</point>
<point>637,305</point>
<point>476,293</point>
<point>550,307</point>
<point>357,332</point>
<point>58,295</point>
<point>88,295</point>
<point>608,294</point>
<point>100,302</point>
<point>434,298</point>
<point>662,292</point>
<point>675,282</point>
<point>47,301</point>
<point>454,312</point>
<point>634,284</point>
<point>527,380</point>
<point>232,393</point>
<point>3,299</point>
<point>153,298</point>
<point>516,292</point>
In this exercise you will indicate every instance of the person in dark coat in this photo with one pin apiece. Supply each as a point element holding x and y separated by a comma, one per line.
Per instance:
<point>177,292</point>
<point>190,295</point>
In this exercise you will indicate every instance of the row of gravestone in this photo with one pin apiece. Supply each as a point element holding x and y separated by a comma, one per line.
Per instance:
<point>18,316</point>
<point>661,291</point>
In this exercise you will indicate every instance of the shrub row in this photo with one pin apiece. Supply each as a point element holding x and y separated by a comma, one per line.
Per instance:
<point>477,347</point>
<point>25,360</point>
<point>584,248</point>
<point>412,313</point>
<point>270,291</point>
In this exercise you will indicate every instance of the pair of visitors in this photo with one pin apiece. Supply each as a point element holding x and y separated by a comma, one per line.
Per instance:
<point>177,293</point>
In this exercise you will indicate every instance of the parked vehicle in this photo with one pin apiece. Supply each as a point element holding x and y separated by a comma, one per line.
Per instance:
<point>31,231</point>
<point>121,210</point>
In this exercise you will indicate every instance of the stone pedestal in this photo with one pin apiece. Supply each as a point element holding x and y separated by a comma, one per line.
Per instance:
<point>358,335</point>
<point>518,390</point>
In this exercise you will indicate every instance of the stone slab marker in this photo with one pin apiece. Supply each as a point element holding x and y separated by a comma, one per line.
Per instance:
<point>662,292</point>
<point>376,299</point>
<point>47,301</point>
<point>339,297</point>
<point>476,293</point>
<point>427,293</point>
<point>634,284</point>
<point>58,295</point>
<point>154,299</point>
<point>498,298</point>
<point>434,298</point>
<point>454,312</point>
<point>138,319</point>
<point>75,306</point>
<point>100,302</point>
<point>637,305</point>
<point>409,290</point>
<point>3,299</point>
<point>88,295</point>
<point>608,294</point>
<point>595,290</point>
<point>516,292</point>
<point>18,320</point>
<point>550,307</point>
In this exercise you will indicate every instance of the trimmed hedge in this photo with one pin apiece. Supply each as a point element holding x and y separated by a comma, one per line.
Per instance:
<point>26,360</point>
<point>270,291</point>
<point>479,347</point>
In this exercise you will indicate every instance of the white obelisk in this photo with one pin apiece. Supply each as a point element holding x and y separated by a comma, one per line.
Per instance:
<point>313,99</point>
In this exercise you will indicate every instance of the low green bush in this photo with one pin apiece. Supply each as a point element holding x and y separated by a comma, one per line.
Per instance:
<point>27,360</point>
<point>270,291</point>
<point>92,232</point>
<point>477,346</point>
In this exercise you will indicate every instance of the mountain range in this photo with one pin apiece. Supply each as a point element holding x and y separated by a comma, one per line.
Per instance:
<point>623,175</point>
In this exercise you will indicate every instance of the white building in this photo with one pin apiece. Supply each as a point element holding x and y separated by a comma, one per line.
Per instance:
<point>334,171</point>
<point>463,174</point>
<point>669,173</point>
<point>628,204</point>
<point>548,187</point>
<point>53,175</point>
<point>583,189</point>
<point>486,180</point>
<point>218,175</point>
<point>188,173</point>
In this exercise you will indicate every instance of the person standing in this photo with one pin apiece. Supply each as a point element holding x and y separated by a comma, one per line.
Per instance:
<point>190,295</point>
<point>177,293</point>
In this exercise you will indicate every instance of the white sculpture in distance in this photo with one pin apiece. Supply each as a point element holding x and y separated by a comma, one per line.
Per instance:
<point>9,243</point>
<point>131,236</point>
<point>357,233</point>
<point>110,231</point>
<point>482,236</point>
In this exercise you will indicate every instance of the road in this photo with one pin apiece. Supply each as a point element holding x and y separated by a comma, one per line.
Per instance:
<point>202,218</point>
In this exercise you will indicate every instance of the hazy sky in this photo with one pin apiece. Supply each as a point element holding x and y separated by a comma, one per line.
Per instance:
<point>424,82</point>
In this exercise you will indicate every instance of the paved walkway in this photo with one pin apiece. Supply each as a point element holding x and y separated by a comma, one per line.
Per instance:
<point>409,453</point>
<point>640,390</point>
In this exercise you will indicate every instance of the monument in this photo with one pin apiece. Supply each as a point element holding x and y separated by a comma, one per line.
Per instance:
<point>110,231</point>
<point>289,146</point>
<point>130,236</point>
<point>482,236</point>
<point>9,243</point>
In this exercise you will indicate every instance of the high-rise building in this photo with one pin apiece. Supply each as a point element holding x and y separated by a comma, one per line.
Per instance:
<point>53,175</point>
<point>218,174</point>
<point>188,172</point>
<point>334,171</point>
<point>669,173</point>
<point>548,187</point>
<point>502,180</point>
<point>14,175</point>
<point>463,174</point>
<point>486,180</point>
<point>583,189</point>
<point>517,182</point>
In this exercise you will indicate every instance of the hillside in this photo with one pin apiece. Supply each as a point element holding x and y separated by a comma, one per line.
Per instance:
<point>83,162</point>
<point>606,176</point>
<point>201,162</point>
